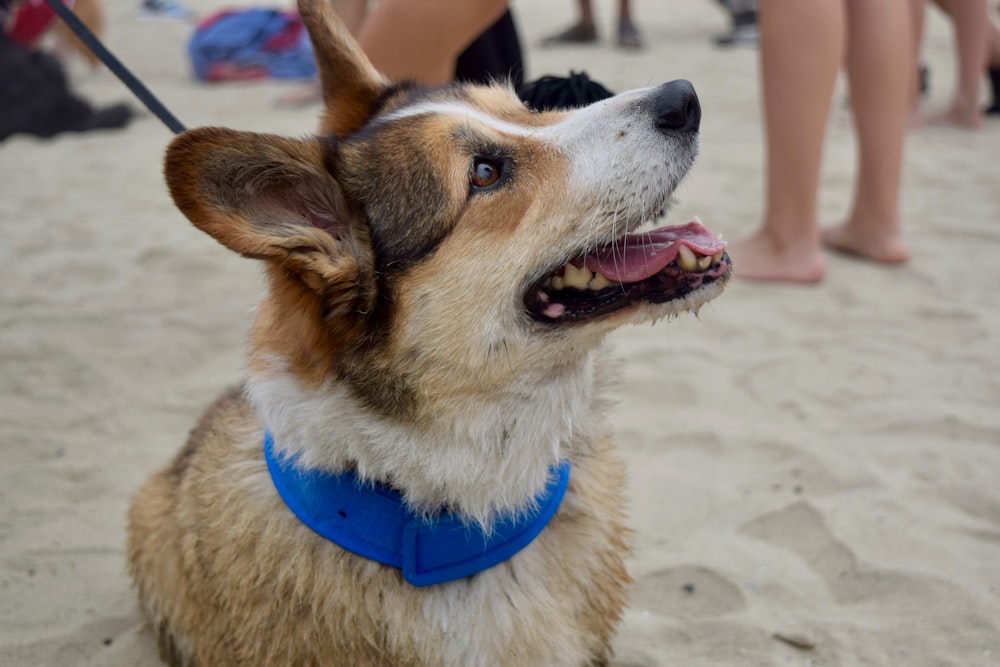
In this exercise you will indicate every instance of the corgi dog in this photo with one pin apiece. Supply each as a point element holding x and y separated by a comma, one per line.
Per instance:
<point>417,469</point>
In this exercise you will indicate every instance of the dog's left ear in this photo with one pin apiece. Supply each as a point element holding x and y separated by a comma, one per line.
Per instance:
<point>352,87</point>
<point>274,199</point>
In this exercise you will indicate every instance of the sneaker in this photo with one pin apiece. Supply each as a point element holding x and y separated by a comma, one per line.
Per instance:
<point>740,35</point>
<point>164,10</point>
<point>579,33</point>
<point>628,35</point>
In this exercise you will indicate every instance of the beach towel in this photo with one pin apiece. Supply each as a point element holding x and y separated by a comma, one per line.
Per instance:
<point>251,44</point>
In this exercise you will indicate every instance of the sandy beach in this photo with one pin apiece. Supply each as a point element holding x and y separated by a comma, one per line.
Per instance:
<point>814,471</point>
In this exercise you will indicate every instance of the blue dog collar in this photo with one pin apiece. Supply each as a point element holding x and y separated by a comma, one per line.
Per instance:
<point>372,521</point>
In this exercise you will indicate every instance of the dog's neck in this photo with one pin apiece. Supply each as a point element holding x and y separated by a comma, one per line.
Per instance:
<point>480,457</point>
<point>372,521</point>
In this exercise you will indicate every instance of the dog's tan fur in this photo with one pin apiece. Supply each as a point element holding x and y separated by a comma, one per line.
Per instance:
<point>393,342</point>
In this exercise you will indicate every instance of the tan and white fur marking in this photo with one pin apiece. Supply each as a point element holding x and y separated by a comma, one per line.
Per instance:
<point>395,341</point>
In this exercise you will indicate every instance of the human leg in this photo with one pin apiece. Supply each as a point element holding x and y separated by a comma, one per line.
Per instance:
<point>801,48</point>
<point>971,34</point>
<point>917,11</point>
<point>410,39</point>
<point>581,32</point>
<point>628,33</point>
<point>351,12</point>
<point>419,41</point>
<point>879,67</point>
<point>992,42</point>
<point>993,66</point>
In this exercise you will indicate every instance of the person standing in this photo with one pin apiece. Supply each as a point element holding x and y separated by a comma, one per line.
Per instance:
<point>584,31</point>
<point>802,45</point>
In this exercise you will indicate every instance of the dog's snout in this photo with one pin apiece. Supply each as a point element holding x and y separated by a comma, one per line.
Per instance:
<point>676,107</point>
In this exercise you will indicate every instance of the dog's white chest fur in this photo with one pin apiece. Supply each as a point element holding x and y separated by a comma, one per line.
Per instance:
<point>482,456</point>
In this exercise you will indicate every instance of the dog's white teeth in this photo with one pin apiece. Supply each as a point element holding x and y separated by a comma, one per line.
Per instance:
<point>686,259</point>
<point>580,278</point>
<point>690,262</point>
<point>576,277</point>
<point>598,282</point>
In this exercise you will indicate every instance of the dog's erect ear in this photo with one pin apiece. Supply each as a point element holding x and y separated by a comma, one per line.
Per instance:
<point>351,85</point>
<point>274,199</point>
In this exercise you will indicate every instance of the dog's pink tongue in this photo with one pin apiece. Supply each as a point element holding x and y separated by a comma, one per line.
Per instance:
<point>638,256</point>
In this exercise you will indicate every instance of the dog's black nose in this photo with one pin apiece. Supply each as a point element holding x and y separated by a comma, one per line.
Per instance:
<point>676,107</point>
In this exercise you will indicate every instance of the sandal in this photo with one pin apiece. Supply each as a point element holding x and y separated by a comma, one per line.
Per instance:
<point>581,33</point>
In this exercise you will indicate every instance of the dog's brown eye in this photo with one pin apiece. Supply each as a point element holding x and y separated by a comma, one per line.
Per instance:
<point>485,173</point>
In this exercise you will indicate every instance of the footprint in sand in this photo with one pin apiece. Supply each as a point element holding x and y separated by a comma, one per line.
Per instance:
<point>689,591</point>
<point>800,528</point>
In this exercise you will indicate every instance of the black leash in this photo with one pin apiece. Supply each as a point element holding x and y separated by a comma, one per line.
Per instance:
<point>115,65</point>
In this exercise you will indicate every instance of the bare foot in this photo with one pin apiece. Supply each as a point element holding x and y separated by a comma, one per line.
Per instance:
<point>877,247</point>
<point>971,119</point>
<point>305,96</point>
<point>759,258</point>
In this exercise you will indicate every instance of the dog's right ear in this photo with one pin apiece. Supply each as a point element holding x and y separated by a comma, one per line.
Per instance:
<point>352,87</point>
<point>274,199</point>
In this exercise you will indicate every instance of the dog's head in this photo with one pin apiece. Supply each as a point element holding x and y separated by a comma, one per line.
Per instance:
<point>450,240</point>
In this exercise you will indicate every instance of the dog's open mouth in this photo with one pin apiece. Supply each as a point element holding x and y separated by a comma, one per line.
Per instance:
<point>654,266</point>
